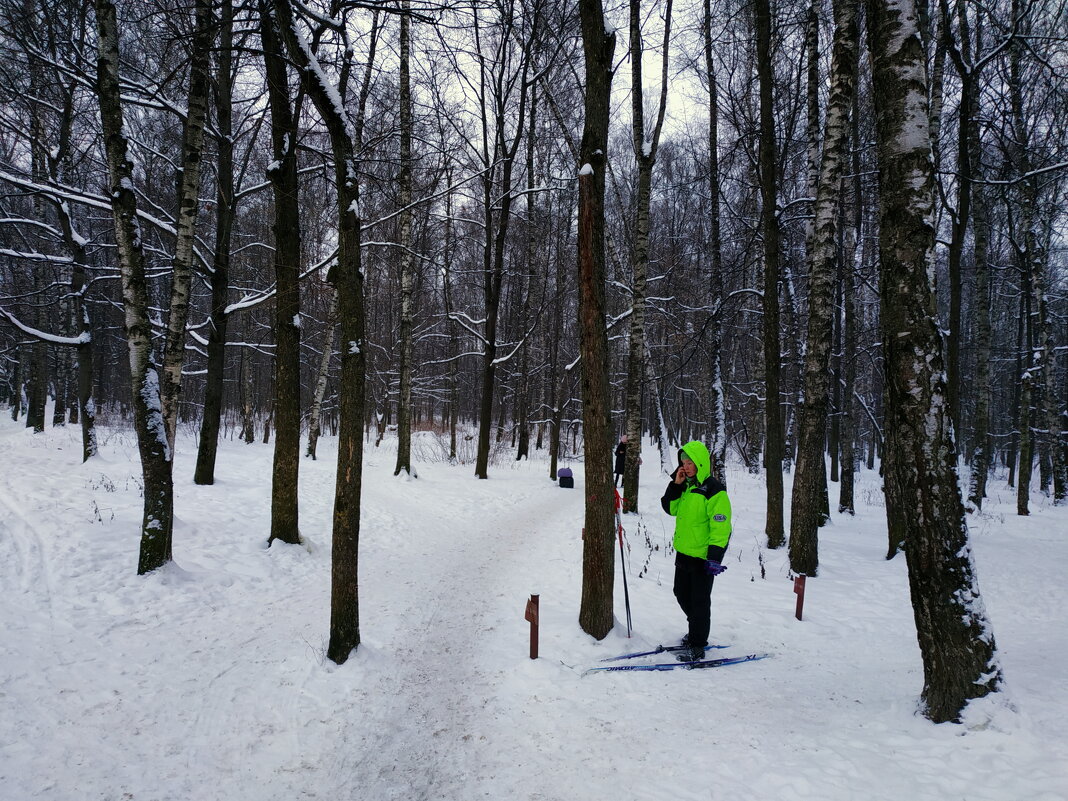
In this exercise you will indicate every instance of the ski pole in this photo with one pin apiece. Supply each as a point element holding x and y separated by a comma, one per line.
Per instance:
<point>622,559</point>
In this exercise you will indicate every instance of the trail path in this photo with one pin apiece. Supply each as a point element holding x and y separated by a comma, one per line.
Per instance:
<point>466,570</point>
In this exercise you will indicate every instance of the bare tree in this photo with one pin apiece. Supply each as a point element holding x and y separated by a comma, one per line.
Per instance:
<point>404,186</point>
<point>152,444</point>
<point>645,148</point>
<point>346,138</point>
<point>598,558</point>
<point>955,637</point>
<point>809,483</point>
<point>283,177</point>
<point>769,216</point>
<point>188,206</point>
<point>717,429</point>
<point>226,210</point>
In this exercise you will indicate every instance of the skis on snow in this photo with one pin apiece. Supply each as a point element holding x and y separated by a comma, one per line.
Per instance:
<point>660,649</point>
<point>693,665</point>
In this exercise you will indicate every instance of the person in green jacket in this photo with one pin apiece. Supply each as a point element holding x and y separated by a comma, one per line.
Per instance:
<point>702,513</point>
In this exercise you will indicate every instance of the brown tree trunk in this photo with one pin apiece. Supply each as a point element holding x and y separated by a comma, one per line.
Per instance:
<point>283,176</point>
<point>853,259</point>
<point>645,148</point>
<point>598,557</point>
<point>717,436</point>
<point>220,276</point>
<point>404,198</point>
<point>347,275</point>
<point>773,435</point>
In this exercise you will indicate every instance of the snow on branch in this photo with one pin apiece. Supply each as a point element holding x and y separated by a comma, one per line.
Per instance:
<point>82,339</point>
<point>15,254</point>
<point>37,223</point>
<point>1025,177</point>
<point>466,322</point>
<point>59,193</point>
<point>249,301</point>
<point>520,343</point>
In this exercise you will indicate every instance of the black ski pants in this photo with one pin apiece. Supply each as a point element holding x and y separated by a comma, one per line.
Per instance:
<point>693,591</point>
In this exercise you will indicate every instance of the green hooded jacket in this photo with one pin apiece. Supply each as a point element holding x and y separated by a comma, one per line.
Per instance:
<point>701,508</point>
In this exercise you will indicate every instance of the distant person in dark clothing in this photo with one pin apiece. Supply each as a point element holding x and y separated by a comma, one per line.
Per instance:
<point>621,458</point>
<point>702,513</point>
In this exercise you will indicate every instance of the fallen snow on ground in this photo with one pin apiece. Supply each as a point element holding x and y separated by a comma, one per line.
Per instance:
<point>207,679</point>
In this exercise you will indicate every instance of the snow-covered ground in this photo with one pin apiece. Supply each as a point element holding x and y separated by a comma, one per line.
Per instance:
<point>207,679</point>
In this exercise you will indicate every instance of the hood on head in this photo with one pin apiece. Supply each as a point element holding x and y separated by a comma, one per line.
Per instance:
<point>698,454</point>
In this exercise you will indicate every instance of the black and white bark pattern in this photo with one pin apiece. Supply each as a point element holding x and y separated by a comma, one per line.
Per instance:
<point>807,500</point>
<point>955,637</point>
<point>188,206</point>
<point>152,443</point>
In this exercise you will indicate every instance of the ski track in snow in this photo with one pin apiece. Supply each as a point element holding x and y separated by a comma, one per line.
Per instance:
<point>451,605</point>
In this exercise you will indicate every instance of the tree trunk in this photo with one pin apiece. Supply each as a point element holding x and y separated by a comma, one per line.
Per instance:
<point>85,411</point>
<point>345,141</point>
<point>248,417</point>
<point>598,557</point>
<point>773,442</point>
<point>157,523</point>
<point>404,198</point>
<point>37,385</point>
<point>454,344</point>
<point>283,177</point>
<point>220,275</point>
<point>645,148</point>
<point>955,638</point>
<point>523,417</point>
<point>853,258</point>
<point>981,451</point>
<point>809,479</point>
<point>718,418</point>
<point>186,218</point>
<point>834,428</point>
<point>322,376</point>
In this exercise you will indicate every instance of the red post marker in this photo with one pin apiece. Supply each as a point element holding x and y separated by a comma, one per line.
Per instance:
<point>799,590</point>
<point>532,616</point>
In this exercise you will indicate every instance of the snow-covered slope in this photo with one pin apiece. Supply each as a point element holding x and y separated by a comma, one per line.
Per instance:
<point>207,680</point>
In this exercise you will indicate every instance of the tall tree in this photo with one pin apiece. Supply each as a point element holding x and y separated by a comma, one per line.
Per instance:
<point>158,520</point>
<point>769,225</point>
<point>955,637</point>
<point>283,176</point>
<point>598,557</point>
<point>717,428</point>
<point>186,222</point>
<point>499,82</point>
<point>806,507</point>
<point>1032,253</point>
<point>404,186</point>
<point>645,148</point>
<point>852,259</point>
<point>226,209</point>
<point>346,139</point>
